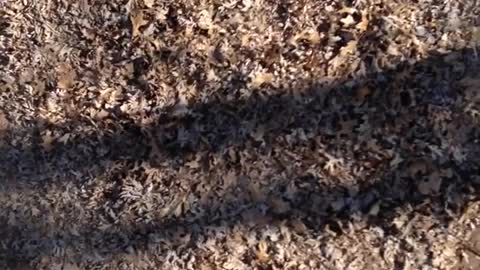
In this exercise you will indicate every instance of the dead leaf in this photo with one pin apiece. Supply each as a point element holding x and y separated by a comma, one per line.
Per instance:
<point>393,50</point>
<point>260,78</point>
<point>470,82</point>
<point>309,35</point>
<point>47,140</point>
<point>26,76</point>
<point>333,165</point>
<point>350,48</point>
<point>431,186</point>
<point>375,209</point>
<point>418,166</point>
<point>347,10</point>
<point>205,20</point>
<point>348,21</point>
<point>363,25</point>
<point>262,252</point>
<point>476,35</point>
<point>101,114</point>
<point>23,266</point>
<point>363,92</point>
<point>149,3</point>
<point>299,226</point>
<point>259,133</point>
<point>3,124</point>
<point>256,192</point>
<point>138,20</point>
<point>472,91</point>
<point>278,206</point>
<point>212,77</point>
<point>66,76</point>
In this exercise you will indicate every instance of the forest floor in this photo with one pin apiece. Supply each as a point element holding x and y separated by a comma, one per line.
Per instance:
<point>242,134</point>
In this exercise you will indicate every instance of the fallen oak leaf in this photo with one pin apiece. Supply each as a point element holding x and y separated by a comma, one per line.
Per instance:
<point>348,21</point>
<point>362,93</point>
<point>476,35</point>
<point>137,20</point>
<point>475,39</point>
<point>66,76</point>
<point>260,78</point>
<point>205,20</point>
<point>3,124</point>
<point>278,205</point>
<point>262,252</point>
<point>149,3</point>
<point>47,141</point>
<point>363,25</point>
<point>349,49</point>
<point>431,186</point>
<point>309,35</point>
<point>347,10</point>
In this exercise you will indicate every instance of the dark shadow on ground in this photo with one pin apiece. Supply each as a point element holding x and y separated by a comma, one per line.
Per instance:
<point>299,128</point>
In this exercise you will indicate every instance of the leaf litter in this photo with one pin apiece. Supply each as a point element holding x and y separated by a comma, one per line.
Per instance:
<point>239,135</point>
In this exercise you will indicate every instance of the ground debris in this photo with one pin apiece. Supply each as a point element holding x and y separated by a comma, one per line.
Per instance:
<point>244,134</point>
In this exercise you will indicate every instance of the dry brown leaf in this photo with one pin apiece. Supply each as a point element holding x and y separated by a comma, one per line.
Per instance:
<point>47,140</point>
<point>66,76</point>
<point>64,139</point>
<point>262,78</point>
<point>205,20</point>
<point>309,35</point>
<point>278,205</point>
<point>347,10</point>
<point>476,35</point>
<point>363,25</point>
<point>101,114</point>
<point>262,252</point>
<point>363,92</point>
<point>212,77</point>
<point>245,39</point>
<point>23,266</point>
<point>3,123</point>
<point>299,226</point>
<point>348,21</point>
<point>393,50</point>
<point>256,192</point>
<point>374,210</point>
<point>26,76</point>
<point>333,165</point>
<point>418,166</point>
<point>128,69</point>
<point>431,186</point>
<point>470,82</point>
<point>259,133</point>
<point>350,48</point>
<point>138,20</point>
<point>149,3</point>
<point>472,91</point>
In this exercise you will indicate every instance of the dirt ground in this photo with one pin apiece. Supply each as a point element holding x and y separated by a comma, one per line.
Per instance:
<point>241,134</point>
